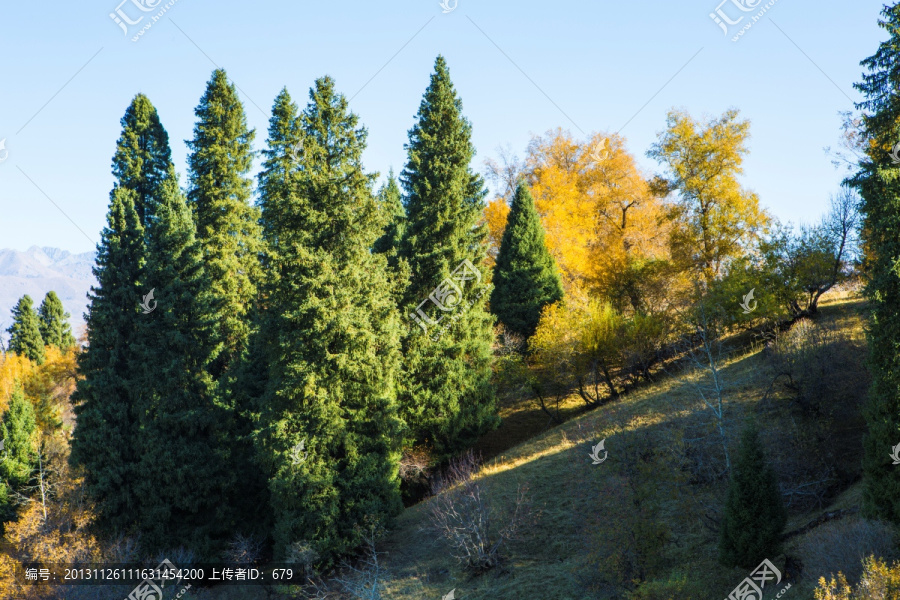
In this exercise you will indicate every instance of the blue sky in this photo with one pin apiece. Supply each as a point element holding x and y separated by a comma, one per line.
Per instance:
<point>521,67</point>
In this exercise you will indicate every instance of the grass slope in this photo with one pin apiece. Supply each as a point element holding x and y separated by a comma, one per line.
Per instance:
<point>650,510</point>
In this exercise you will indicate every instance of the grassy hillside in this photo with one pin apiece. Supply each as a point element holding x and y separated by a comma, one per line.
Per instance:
<point>649,512</point>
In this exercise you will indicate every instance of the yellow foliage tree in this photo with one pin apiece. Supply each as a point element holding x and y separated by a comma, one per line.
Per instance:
<point>496,212</point>
<point>602,219</point>
<point>13,369</point>
<point>717,218</point>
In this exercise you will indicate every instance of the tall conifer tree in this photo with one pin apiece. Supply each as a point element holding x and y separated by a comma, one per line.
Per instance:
<point>330,425</point>
<point>525,276</point>
<point>143,157</point>
<point>107,398</point>
<point>878,182</point>
<point>54,324</point>
<point>104,440</point>
<point>25,331</point>
<point>227,224</point>
<point>187,479</point>
<point>447,398</point>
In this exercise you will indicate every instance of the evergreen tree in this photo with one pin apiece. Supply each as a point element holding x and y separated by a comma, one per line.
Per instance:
<point>186,469</point>
<point>25,331</point>
<point>227,225</point>
<point>143,158</point>
<point>330,426</point>
<point>525,276</point>
<point>285,149</point>
<point>18,429</point>
<point>54,324</point>
<point>106,396</point>
<point>879,187</point>
<point>447,398</point>
<point>390,203</point>
<point>754,512</point>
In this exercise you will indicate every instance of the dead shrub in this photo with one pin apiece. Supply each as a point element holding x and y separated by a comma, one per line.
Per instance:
<point>466,513</point>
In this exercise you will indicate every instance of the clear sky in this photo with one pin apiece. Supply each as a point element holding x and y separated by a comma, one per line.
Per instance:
<point>68,72</point>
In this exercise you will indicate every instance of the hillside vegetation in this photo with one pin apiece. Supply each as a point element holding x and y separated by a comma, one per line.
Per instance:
<point>651,509</point>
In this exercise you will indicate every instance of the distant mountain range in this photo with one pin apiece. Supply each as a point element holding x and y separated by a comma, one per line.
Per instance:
<point>40,270</point>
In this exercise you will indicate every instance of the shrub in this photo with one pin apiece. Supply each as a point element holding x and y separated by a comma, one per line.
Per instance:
<point>465,513</point>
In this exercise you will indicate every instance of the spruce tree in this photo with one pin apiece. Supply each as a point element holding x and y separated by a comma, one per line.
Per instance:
<point>390,203</point>
<point>18,430</point>
<point>143,157</point>
<point>25,331</point>
<point>227,224</point>
<point>186,474</point>
<point>106,396</point>
<point>54,324</point>
<point>878,183</point>
<point>525,276</point>
<point>330,430</point>
<point>448,399</point>
<point>754,512</point>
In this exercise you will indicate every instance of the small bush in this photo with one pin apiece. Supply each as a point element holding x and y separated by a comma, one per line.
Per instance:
<point>465,513</point>
<point>842,546</point>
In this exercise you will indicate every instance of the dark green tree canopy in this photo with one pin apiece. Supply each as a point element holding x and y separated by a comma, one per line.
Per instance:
<point>754,511</point>
<point>18,430</point>
<point>447,399</point>
<point>143,158</point>
<point>25,332</point>
<point>390,203</point>
<point>227,224</point>
<point>184,426</point>
<point>330,432</point>
<point>54,324</point>
<point>525,276</point>
<point>878,183</point>
<point>106,398</point>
